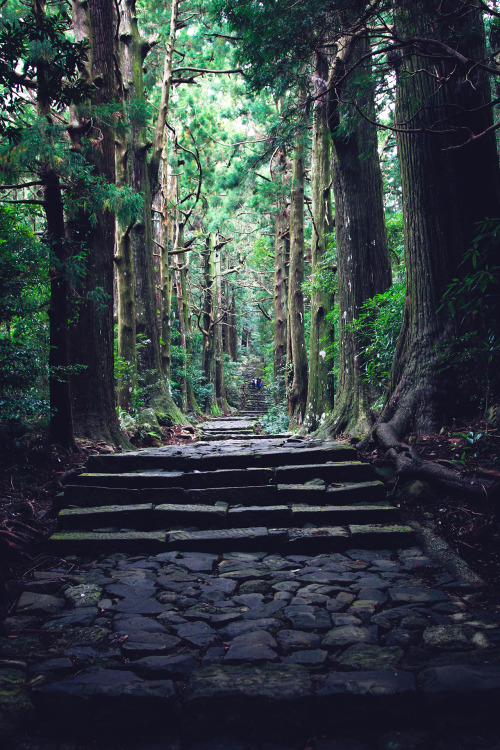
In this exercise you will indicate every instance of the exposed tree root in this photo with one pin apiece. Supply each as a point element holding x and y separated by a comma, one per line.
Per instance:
<point>441,474</point>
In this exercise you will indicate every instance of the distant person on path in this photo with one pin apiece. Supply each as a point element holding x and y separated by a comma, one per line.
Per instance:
<point>259,384</point>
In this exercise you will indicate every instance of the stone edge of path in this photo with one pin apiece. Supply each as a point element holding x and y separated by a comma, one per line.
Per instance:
<point>440,551</point>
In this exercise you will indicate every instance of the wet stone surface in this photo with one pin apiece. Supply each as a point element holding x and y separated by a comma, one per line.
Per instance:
<point>350,613</point>
<point>182,625</point>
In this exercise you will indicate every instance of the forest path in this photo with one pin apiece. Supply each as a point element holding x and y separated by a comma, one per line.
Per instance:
<point>235,593</point>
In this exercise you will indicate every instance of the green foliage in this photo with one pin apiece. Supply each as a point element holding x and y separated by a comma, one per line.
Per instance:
<point>473,445</point>
<point>23,320</point>
<point>139,112</point>
<point>395,237</point>
<point>378,328</point>
<point>325,275</point>
<point>473,354</point>
<point>276,420</point>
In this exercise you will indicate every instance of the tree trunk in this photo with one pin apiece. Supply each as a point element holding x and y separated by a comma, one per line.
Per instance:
<point>297,394</point>
<point>61,414</point>
<point>282,235</point>
<point>191,397</point>
<point>208,355</point>
<point>446,191</point>
<point>362,254</point>
<point>233,328</point>
<point>92,335</point>
<point>320,395</point>
<point>128,54</point>
<point>177,263</point>
<point>168,198</point>
<point>218,317</point>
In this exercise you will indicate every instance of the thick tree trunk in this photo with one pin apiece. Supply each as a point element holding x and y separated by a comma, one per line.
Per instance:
<point>191,397</point>
<point>446,191</point>
<point>362,253</point>
<point>152,360</point>
<point>92,335</point>
<point>124,257</point>
<point>321,389</point>
<point>61,413</point>
<point>208,355</point>
<point>282,236</point>
<point>233,328</point>
<point>168,198</point>
<point>219,312</point>
<point>297,394</point>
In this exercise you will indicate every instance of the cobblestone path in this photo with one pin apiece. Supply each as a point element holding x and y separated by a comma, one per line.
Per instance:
<point>283,635</point>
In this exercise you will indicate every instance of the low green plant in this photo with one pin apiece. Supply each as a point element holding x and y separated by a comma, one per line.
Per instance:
<point>23,321</point>
<point>472,445</point>
<point>472,354</point>
<point>378,327</point>
<point>276,420</point>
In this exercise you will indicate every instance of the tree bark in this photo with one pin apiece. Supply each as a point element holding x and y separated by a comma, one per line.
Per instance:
<point>61,414</point>
<point>282,235</point>
<point>362,253</point>
<point>129,56</point>
<point>233,328</point>
<point>446,191</point>
<point>297,393</point>
<point>218,317</point>
<point>321,388</point>
<point>92,334</point>
<point>208,353</point>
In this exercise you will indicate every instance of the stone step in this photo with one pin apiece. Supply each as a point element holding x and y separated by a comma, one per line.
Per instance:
<point>220,515</point>
<point>288,541</point>
<point>174,479</point>
<point>193,458</point>
<point>236,436</point>
<point>268,494</point>
<point>348,471</point>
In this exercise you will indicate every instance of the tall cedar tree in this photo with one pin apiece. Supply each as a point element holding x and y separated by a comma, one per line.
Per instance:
<point>450,181</point>
<point>297,392</point>
<point>362,253</point>
<point>321,388</point>
<point>61,413</point>
<point>92,332</point>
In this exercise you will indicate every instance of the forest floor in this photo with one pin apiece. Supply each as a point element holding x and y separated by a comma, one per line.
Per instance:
<point>33,472</point>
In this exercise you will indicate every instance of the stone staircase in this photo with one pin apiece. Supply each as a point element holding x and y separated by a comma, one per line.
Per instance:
<point>241,493</point>
<point>271,601</point>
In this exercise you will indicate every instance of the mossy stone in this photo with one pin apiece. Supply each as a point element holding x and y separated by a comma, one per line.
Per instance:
<point>16,708</point>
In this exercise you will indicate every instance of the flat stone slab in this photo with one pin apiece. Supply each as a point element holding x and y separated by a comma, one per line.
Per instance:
<point>253,647</point>
<point>347,635</point>
<point>108,701</point>
<point>381,536</point>
<point>367,656</point>
<point>133,516</point>
<point>178,667</point>
<point>250,495</point>
<point>268,515</point>
<point>343,471</point>
<point>268,701</point>
<point>218,539</point>
<point>382,682</point>
<point>190,515</point>
<point>344,514</point>
<point>456,679</point>
<point>85,543</point>
<point>326,538</point>
<point>39,604</point>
